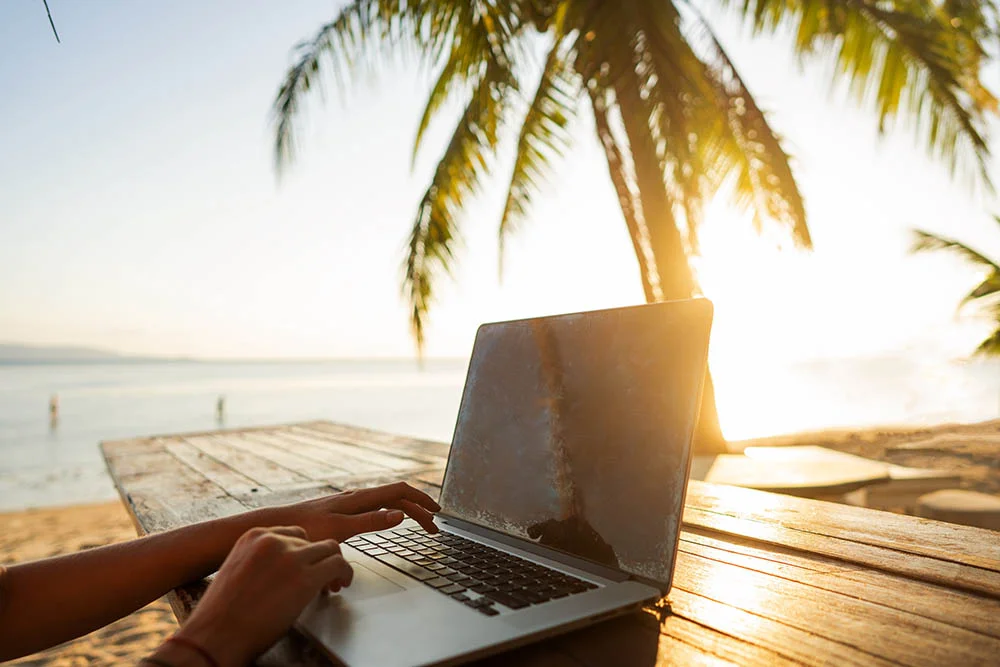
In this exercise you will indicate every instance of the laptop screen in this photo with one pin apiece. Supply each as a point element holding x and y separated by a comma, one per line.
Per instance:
<point>574,431</point>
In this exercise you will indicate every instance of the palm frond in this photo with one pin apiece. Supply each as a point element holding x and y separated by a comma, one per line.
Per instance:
<point>544,136</point>
<point>923,241</point>
<point>447,81</point>
<point>990,347</point>
<point>341,40</point>
<point>466,160</point>
<point>989,287</point>
<point>475,33</point>
<point>919,62</point>
<point>354,38</point>
<point>745,146</point>
<point>985,290</point>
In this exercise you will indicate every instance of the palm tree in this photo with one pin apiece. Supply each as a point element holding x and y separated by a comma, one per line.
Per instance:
<point>986,295</point>
<point>675,119</point>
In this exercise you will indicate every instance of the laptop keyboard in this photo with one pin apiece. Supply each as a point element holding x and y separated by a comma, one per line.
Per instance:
<point>471,573</point>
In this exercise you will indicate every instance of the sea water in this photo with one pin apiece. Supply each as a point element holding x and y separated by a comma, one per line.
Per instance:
<point>45,464</point>
<point>55,464</point>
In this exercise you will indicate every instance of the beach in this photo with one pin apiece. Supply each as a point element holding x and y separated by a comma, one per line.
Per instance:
<point>40,533</point>
<point>972,450</point>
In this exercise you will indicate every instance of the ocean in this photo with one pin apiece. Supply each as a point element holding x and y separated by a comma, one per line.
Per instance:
<point>42,464</point>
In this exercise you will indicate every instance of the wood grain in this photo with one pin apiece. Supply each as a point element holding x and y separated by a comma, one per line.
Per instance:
<point>262,470</point>
<point>906,534</point>
<point>869,627</point>
<point>761,579</point>
<point>234,482</point>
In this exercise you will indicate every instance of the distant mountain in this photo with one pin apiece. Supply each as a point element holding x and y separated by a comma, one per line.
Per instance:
<point>15,352</point>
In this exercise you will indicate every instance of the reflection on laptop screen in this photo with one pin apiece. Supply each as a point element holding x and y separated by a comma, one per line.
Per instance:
<point>574,432</point>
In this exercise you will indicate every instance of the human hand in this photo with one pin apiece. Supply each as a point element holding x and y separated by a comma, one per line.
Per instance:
<point>346,514</point>
<point>269,577</point>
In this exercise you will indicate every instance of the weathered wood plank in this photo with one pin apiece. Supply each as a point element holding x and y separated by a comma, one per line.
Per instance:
<point>930,570</point>
<point>433,477</point>
<point>433,490</point>
<point>120,448</point>
<point>390,458</point>
<point>935,602</point>
<point>797,571</point>
<point>873,628</point>
<point>681,640</point>
<point>264,471</point>
<point>301,460</point>
<point>771,552</point>
<point>234,482</point>
<point>793,643</point>
<point>944,541</point>
<point>940,603</point>
<point>162,492</point>
<point>372,438</point>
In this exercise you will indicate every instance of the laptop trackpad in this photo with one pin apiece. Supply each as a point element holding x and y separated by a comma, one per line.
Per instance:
<point>367,584</point>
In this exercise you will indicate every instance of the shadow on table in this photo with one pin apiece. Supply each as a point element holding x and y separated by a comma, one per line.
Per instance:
<point>629,641</point>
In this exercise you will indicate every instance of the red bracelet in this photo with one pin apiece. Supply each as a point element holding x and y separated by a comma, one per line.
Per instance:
<point>187,643</point>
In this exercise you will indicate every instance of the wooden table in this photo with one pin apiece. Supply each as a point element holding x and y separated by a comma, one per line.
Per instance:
<point>761,578</point>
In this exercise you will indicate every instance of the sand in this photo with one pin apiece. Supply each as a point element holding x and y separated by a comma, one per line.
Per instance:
<point>972,450</point>
<point>49,532</point>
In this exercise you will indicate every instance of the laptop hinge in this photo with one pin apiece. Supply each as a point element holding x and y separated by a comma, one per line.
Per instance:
<point>537,549</point>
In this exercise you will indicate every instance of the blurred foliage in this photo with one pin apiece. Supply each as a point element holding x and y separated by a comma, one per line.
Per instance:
<point>984,297</point>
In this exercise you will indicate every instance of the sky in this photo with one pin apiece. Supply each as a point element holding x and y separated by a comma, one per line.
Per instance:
<point>140,211</point>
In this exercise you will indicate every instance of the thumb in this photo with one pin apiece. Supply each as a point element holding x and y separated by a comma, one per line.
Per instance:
<point>366,522</point>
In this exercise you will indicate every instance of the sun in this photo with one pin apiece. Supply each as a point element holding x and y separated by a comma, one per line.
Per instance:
<point>758,335</point>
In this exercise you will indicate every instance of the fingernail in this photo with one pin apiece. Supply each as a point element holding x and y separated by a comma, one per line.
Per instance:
<point>394,516</point>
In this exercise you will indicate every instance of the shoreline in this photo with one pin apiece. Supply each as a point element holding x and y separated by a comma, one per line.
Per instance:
<point>971,450</point>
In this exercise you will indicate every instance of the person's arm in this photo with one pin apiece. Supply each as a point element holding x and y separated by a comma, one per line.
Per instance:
<point>50,601</point>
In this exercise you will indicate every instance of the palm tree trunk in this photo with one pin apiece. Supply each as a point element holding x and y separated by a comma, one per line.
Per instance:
<point>676,279</point>
<point>626,200</point>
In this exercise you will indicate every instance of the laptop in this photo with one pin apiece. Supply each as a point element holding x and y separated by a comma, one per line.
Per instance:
<point>562,496</point>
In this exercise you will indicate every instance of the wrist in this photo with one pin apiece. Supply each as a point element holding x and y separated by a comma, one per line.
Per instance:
<point>173,655</point>
<point>231,528</point>
<point>279,515</point>
<point>220,645</point>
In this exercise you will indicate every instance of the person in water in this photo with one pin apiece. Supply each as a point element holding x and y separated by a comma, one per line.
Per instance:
<point>271,563</point>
